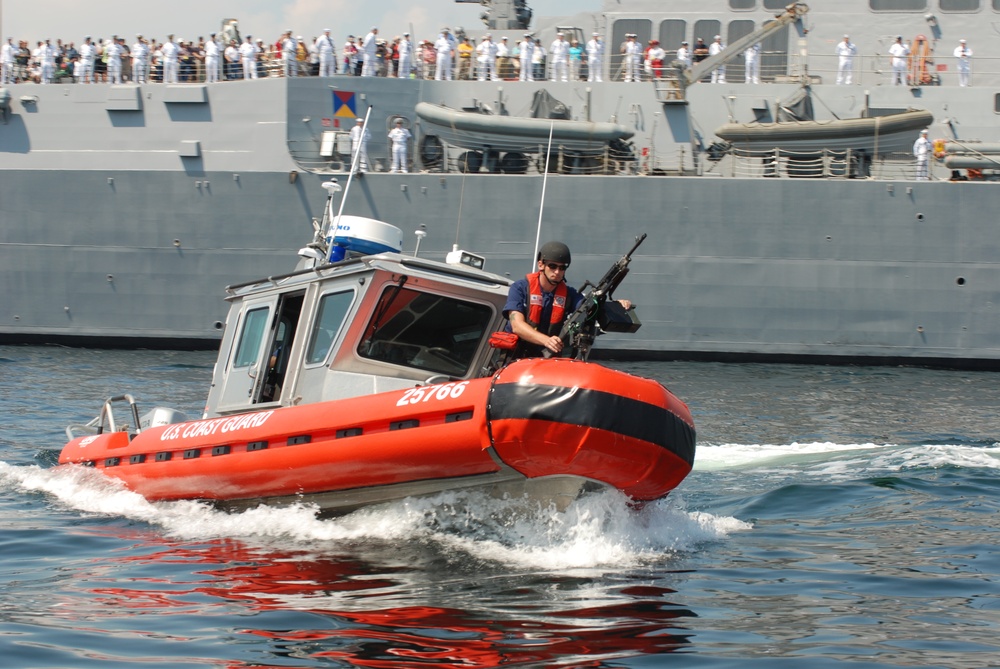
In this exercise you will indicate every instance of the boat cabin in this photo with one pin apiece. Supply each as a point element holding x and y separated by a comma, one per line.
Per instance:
<point>358,326</point>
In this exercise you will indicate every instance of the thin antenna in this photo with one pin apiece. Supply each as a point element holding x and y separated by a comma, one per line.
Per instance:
<point>354,165</point>
<point>541,206</point>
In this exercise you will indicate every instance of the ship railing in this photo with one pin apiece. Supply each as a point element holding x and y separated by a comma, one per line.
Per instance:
<point>105,421</point>
<point>822,164</point>
<point>869,69</point>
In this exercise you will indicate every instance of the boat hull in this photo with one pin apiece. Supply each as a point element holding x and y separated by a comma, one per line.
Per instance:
<point>875,135</point>
<point>472,130</point>
<point>347,453</point>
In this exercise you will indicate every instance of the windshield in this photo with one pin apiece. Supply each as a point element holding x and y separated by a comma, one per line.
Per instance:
<point>430,332</point>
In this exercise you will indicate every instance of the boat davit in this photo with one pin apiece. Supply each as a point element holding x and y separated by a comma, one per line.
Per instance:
<point>367,376</point>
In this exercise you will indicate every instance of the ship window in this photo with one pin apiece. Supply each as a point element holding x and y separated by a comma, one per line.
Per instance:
<point>742,4</point>
<point>330,316</point>
<point>641,27</point>
<point>775,4</point>
<point>996,5</point>
<point>736,70</point>
<point>774,55</point>
<point>897,5</point>
<point>435,333</point>
<point>250,338</point>
<point>707,29</point>
<point>672,34</point>
<point>960,5</point>
<point>996,102</point>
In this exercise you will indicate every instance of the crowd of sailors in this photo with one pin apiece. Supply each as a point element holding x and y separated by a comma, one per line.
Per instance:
<point>225,56</point>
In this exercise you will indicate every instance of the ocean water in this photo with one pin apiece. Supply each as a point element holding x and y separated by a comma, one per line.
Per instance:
<point>836,517</point>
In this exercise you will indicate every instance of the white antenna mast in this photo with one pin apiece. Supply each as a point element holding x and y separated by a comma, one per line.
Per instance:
<point>545,182</point>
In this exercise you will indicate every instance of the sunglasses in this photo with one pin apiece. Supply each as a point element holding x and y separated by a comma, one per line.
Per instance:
<point>556,266</point>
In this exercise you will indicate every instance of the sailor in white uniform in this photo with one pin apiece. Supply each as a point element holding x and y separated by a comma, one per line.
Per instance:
<point>399,136</point>
<point>212,54</point>
<point>289,51</point>
<point>684,54</point>
<point>527,51</point>
<point>114,55</point>
<point>559,54</point>
<point>140,60</point>
<point>369,46</point>
<point>717,47</point>
<point>486,59</point>
<point>922,151</point>
<point>633,54</point>
<point>405,57</point>
<point>170,51</point>
<point>47,59</point>
<point>359,144</point>
<point>964,55</point>
<point>595,57</point>
<point>898,53</point>
<point>88,54</point>
<point>248,58</point>
<point>846,51</point>
<point>445,49</point>
<point>7,52</point>
<point>752,58</point>
<point>327,54</point>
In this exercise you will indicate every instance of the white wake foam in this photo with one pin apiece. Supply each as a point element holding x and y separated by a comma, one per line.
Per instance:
<point>598,529</point>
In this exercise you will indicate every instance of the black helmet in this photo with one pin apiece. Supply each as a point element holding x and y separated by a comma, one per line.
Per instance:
<point>555,251</point>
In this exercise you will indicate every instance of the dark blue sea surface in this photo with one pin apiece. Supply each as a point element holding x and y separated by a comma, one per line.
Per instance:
<point>836,517</point>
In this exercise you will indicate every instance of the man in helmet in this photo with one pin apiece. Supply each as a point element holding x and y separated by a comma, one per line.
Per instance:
<point>538,303</point>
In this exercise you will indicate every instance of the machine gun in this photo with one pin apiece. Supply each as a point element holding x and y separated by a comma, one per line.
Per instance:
<point>596,314</point>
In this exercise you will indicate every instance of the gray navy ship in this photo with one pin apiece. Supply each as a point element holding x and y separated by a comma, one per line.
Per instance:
<point>786,219</point>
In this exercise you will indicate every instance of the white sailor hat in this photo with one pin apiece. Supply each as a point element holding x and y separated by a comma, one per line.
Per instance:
<point>406,34</point>
<point>488,36</point>
<point>962,41</point>
<point>359,120</point>
<point>559,35</point>
<point>924,131</point>
<point>211,34</point>
<point>299,37</point>
<point>326,30</point>
<point>847,36</point>
<point>684,43</point>
<point>718,37</point>
<point>504,38</point>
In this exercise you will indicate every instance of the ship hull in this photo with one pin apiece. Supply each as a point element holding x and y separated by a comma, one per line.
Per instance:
<point>123,210</point>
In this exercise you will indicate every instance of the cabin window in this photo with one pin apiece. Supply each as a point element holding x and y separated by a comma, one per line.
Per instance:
<point>706,29</point>
<point>736,71</point>
<point>247,350</point>
<point>996,5</point>
<point>333,308</point>
<point>897,5</point>
<point>961,5</point>
<point>672,34</point>
<point>776,4</point>
<point>742,4</point>
<point>435,333</point>
<point>996,103</point>
<point>641,27</point>
<point>774,54</point>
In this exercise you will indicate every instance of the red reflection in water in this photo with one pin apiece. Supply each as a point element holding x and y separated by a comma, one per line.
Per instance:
<point>644,623</point>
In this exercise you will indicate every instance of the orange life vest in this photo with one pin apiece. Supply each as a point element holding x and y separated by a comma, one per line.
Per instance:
<point>535,301</point>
